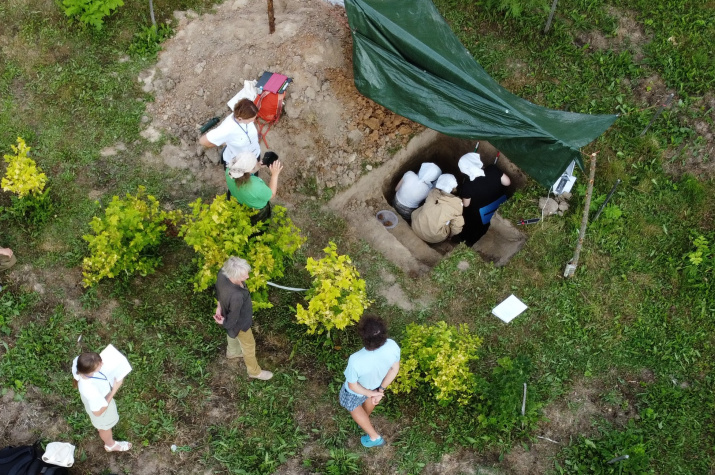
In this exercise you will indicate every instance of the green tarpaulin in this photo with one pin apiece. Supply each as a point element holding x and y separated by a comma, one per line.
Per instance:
<point>407,59</point>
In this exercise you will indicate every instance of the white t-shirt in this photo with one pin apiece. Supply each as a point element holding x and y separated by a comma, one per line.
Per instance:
<point>368,368</point>
<point>413,191</point>
<point>93,391</point>
<point>237,137</point>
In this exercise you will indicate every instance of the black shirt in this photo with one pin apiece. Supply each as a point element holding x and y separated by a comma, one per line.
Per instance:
<point>236,305</point>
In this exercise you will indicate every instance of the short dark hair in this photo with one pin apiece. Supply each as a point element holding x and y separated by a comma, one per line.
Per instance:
<point>373,331</point>
<point>88,363</point>
<point>245,109</point>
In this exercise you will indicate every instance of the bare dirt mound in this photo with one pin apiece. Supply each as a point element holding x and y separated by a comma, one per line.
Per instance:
<point>329,131</point>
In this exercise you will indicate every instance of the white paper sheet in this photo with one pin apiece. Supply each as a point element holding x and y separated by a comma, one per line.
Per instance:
<point>509,309</point>
<point>115,364</point>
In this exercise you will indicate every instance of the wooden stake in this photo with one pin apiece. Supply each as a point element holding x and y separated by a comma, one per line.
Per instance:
<point>271,18</point>
<point>571,266</point>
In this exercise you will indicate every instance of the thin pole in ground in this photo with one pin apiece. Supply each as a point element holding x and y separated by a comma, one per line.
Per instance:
<point>610,193</point>
<point>271,18</point>
<point>571,266</point>
<point>151,12</point>
<point>665,104</point>
<point>551,16</point>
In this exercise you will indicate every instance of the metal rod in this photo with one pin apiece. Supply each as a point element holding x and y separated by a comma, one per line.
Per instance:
<point>528,221</point>
<point>610,193</point>
<point>571,266</point>
<point>618,459</point>
<point>665,104</point>
<point>551,16</point>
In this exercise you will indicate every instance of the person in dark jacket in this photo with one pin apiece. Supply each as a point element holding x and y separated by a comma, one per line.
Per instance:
<point>235,313</point>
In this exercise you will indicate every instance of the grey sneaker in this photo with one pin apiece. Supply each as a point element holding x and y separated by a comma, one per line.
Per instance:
<point>263,375</point>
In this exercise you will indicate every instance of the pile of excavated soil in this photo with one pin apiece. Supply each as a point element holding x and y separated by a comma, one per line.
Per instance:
<point>329,131</point>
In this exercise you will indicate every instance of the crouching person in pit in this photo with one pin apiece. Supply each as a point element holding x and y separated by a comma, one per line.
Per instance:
<point>441,215</point>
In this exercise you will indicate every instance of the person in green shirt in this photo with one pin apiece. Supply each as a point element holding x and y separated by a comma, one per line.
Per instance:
<point>250,190</point>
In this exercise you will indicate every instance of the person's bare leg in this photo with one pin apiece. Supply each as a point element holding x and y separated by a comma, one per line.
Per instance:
<point>106,436</point>
<point>362,418</point>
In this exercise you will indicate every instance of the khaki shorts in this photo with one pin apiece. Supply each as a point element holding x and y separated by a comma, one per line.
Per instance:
<point>107,420</point>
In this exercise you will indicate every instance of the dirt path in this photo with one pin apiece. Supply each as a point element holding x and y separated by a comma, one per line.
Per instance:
<point>329,131</point>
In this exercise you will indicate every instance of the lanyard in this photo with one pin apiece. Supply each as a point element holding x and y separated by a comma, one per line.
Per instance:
<point>242,129</point>
<point>103,378</point>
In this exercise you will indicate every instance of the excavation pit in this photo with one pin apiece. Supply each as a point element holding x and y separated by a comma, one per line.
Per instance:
<point>376,190</point>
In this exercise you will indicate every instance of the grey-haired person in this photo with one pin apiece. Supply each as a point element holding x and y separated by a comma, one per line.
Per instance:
<point>369,372</point>
<point>234,312</point>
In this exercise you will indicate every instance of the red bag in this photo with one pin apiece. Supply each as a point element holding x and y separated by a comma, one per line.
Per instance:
<point>270,107</point>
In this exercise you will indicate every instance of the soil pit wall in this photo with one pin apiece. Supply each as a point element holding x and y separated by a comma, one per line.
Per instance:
<point>375,191</point>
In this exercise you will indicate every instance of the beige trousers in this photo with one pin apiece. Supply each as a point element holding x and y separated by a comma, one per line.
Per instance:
<point>245,345</point>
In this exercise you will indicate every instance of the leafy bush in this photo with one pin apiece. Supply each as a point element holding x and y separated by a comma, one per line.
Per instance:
<point>124,240</point>
<point>147,43</point>
<point>223,229</point>
<point>31,205</point>
<point>90,12</point>
<point>439,355</point>
<point>337,298</point>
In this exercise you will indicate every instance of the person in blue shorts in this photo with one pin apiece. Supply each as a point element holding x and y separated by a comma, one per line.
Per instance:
<point>370,371</point>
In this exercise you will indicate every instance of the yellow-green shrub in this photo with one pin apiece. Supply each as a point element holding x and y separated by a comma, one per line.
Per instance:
<point>438,355</point>
<point>337,298</point>
<point>124,238</point>
<point>223,228</point>
<point>23,177</point>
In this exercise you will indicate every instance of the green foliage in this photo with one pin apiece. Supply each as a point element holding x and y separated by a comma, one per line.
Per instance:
<point>90,12</point>
<point>586,456</point>
<point>337,298</point>
<point>125,239</point>
<point>22,177</point>
<point>29,213</point>
<point>223,229</point>
<point>699,268</point>
<point>264,434</point>
<point>438,355</point>
<point>501,397</point>
<point>342,462</point>
<point>514,8</point>
<point>10,308</point>
<point>147,43</point>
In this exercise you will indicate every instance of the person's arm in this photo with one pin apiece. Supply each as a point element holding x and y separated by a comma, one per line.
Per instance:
<point>456,225</point>
<point>358,388</point>
<point>466,201</point>
<point>6,251</point>
<point>203,140</point>
<point>390,376</point>
<point>504,180</point>
<point>109,397</point>
<point>218,316</point>
<point>275,169</point>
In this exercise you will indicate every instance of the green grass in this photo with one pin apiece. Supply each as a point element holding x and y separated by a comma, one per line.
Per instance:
<point>628,311</point>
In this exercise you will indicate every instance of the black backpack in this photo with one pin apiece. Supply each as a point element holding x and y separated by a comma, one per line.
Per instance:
<point>24,460</point>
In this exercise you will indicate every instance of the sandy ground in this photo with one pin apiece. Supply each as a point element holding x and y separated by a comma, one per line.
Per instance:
<point>329,131</point>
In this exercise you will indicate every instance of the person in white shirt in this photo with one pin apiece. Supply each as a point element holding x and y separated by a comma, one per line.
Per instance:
<point>413,188</point>
<point>237,131</point>
<point>97,394</point>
